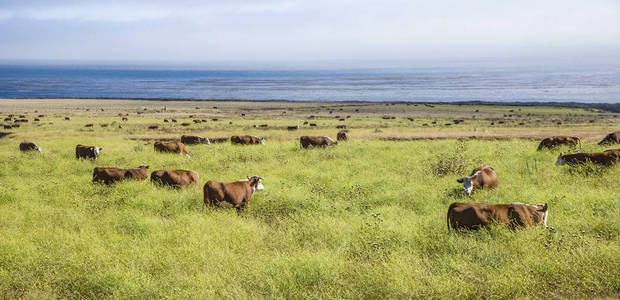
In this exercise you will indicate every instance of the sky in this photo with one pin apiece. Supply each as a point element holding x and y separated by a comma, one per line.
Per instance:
<point>311,30</point>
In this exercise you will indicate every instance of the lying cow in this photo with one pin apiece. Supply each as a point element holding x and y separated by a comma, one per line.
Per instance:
<point>342,136</point>
<point>173,147</point>
<point>174,178</point>
<point>556,141</point>
<point>307,141</point>
<point>606,158</point>
<point>111,175</point>
<point>246,140</point>
<point>612,138</point>
<point>90,152</point>
<point>238,193</point>
<point>476,215</point>
<point>194,139</point>
<point>481,177</point>
<point>28,146</point>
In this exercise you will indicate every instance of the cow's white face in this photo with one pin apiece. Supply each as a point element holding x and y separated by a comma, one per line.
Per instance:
<point>468,186</point>
<point>39,148</point>
<point>260,186</point>
<point>262,141</point>
<point>544,209</point>
<point>97,149</point>
<point>560,160</point>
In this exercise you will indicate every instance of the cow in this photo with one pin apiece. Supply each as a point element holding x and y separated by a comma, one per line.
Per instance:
<point>153,127</point>
<point>175,178</point>
<point>237,194</point>
<point>307,141</point>
<point>246,140</point>
<point>194,139</point>
<point>174,147</point>
<point>88,125</point>
<point>612,138</point>
<point>342,136</point>
<point>477,215</point>
<point>555,141</point>
<point>28,146</point>
<point>219,140</point>
<point>606,158</point>
<point>480,177</point>
<point>90,152</point>
<point>111,175</point>
<point>292,127</point>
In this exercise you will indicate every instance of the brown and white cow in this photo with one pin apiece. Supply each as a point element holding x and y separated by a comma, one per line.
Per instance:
<point>476,215</point>
<point>109,175</point>
<point>175,178</point>
<point>307,141</point>
<point>29,146</point>
<point>606,158</point>
<point>556,141</point>
<point>342,136</point>
<point>173,147</point>
<point>246,140</point>
<point>90,152</point>
<point>237,193</point>
<point>194,139</point>
<point>481,177</point>
<point>612,138</point>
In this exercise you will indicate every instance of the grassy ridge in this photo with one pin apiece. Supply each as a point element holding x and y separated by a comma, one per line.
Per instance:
<point>365,219</point>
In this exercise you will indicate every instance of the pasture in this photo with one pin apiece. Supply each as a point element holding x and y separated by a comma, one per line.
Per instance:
<point>363,219</point>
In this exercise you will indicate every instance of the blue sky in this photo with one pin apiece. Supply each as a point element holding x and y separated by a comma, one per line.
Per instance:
<point>295,30</point>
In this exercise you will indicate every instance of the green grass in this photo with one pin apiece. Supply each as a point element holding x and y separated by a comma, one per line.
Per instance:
<point>364,219</point>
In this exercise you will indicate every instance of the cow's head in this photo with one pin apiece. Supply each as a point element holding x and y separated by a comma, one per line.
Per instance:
<point>560,160</point>
<point>206,141</point>
<point>542,212</point>
<point>256,183</point>
<point>262,140</point>
<point>39,149</point>
<point>468,182</point>
<point>97,150</point>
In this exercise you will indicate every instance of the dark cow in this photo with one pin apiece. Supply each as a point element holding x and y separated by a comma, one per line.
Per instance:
<point>111,175</point>
<point>175,178</point>
<point>88,125</point>
<point>307,141</point>
<point>174,147</point>
<point>612,138</point>
<point>154,127</point>
<point>237,194</point>
<point>28,146</point>
<point>555,141</point>
<point>194,139</point>
<point>342,136</point>
<point>292,127</point>
<point>481,177</point>
<point>90,152</point>
<point>476,215</point>
<point>606,158</point>
<point>219,140</point>
<point>246,140</point>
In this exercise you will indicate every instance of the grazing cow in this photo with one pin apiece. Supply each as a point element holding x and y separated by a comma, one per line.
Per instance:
<point>312,124</point>
<point>606,158</point>
<point>154,127</point>
<point>67,118</point>
<point>555,141</point>
<point>194,139</point>
<point>476,215</point>
<point>104,125</point>
<point>175,178</point>
<point>111,175</point>
<point>174,120</point>
<point>292,127</point>
<point>88,125</point>
<point>307,141</point>
<point>237,193</point>
<point>481,177</point>
<point>28,146</point>
<point>185,124</point>
<point>124,119</point>
<point>342,136</point>
<point>8,126</point>
<point>91,152</point>
<point>175,147</point>
<point>612,138</point>
<point>341,126</point>
<point>219,140</point>
<point>246,140</point>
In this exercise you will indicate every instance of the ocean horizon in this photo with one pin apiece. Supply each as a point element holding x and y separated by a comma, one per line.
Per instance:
<point>491,82</point>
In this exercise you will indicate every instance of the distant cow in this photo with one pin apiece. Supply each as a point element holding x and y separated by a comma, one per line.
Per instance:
<point>174,147</point>
<point>481,177</point>
<point>90,152</point>
<point>175,178</point>
<point>219,140</point>
<point>111,175</point>
<point>341,126</point>
<point>154,127</point>
<point>612,138</point>
<point>246,140</point>
<point>29,146</point>
<point>88,125</point>
<point>476,215</point>
<point>238,193</point>
<point>194,139</point>
<point>307,141</point>
<point>292,127</point>
<point>342,136</point>
<point>312,124</point>
<point>555,141</point>
<point>606,158</point>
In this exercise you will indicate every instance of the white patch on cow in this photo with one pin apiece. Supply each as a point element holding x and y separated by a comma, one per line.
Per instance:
<point>545,217</point>
<point>39,148</point>
<point>260,186</point>
<point>262,141</point>
<point>96,150</point>
<point>560,160</point>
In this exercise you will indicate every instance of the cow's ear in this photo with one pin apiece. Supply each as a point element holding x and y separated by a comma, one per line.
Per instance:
<point>460,180</point>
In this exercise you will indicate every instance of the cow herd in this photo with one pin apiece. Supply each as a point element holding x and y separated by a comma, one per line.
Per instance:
<point>239,193</point>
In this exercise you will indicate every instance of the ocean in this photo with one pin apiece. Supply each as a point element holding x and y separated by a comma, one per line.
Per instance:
<point>446,83</point>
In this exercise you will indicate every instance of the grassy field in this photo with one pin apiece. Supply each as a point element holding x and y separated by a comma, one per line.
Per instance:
<point>364,219</point>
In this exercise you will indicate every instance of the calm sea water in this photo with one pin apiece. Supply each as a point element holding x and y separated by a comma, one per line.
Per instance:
<point>446,83</point>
